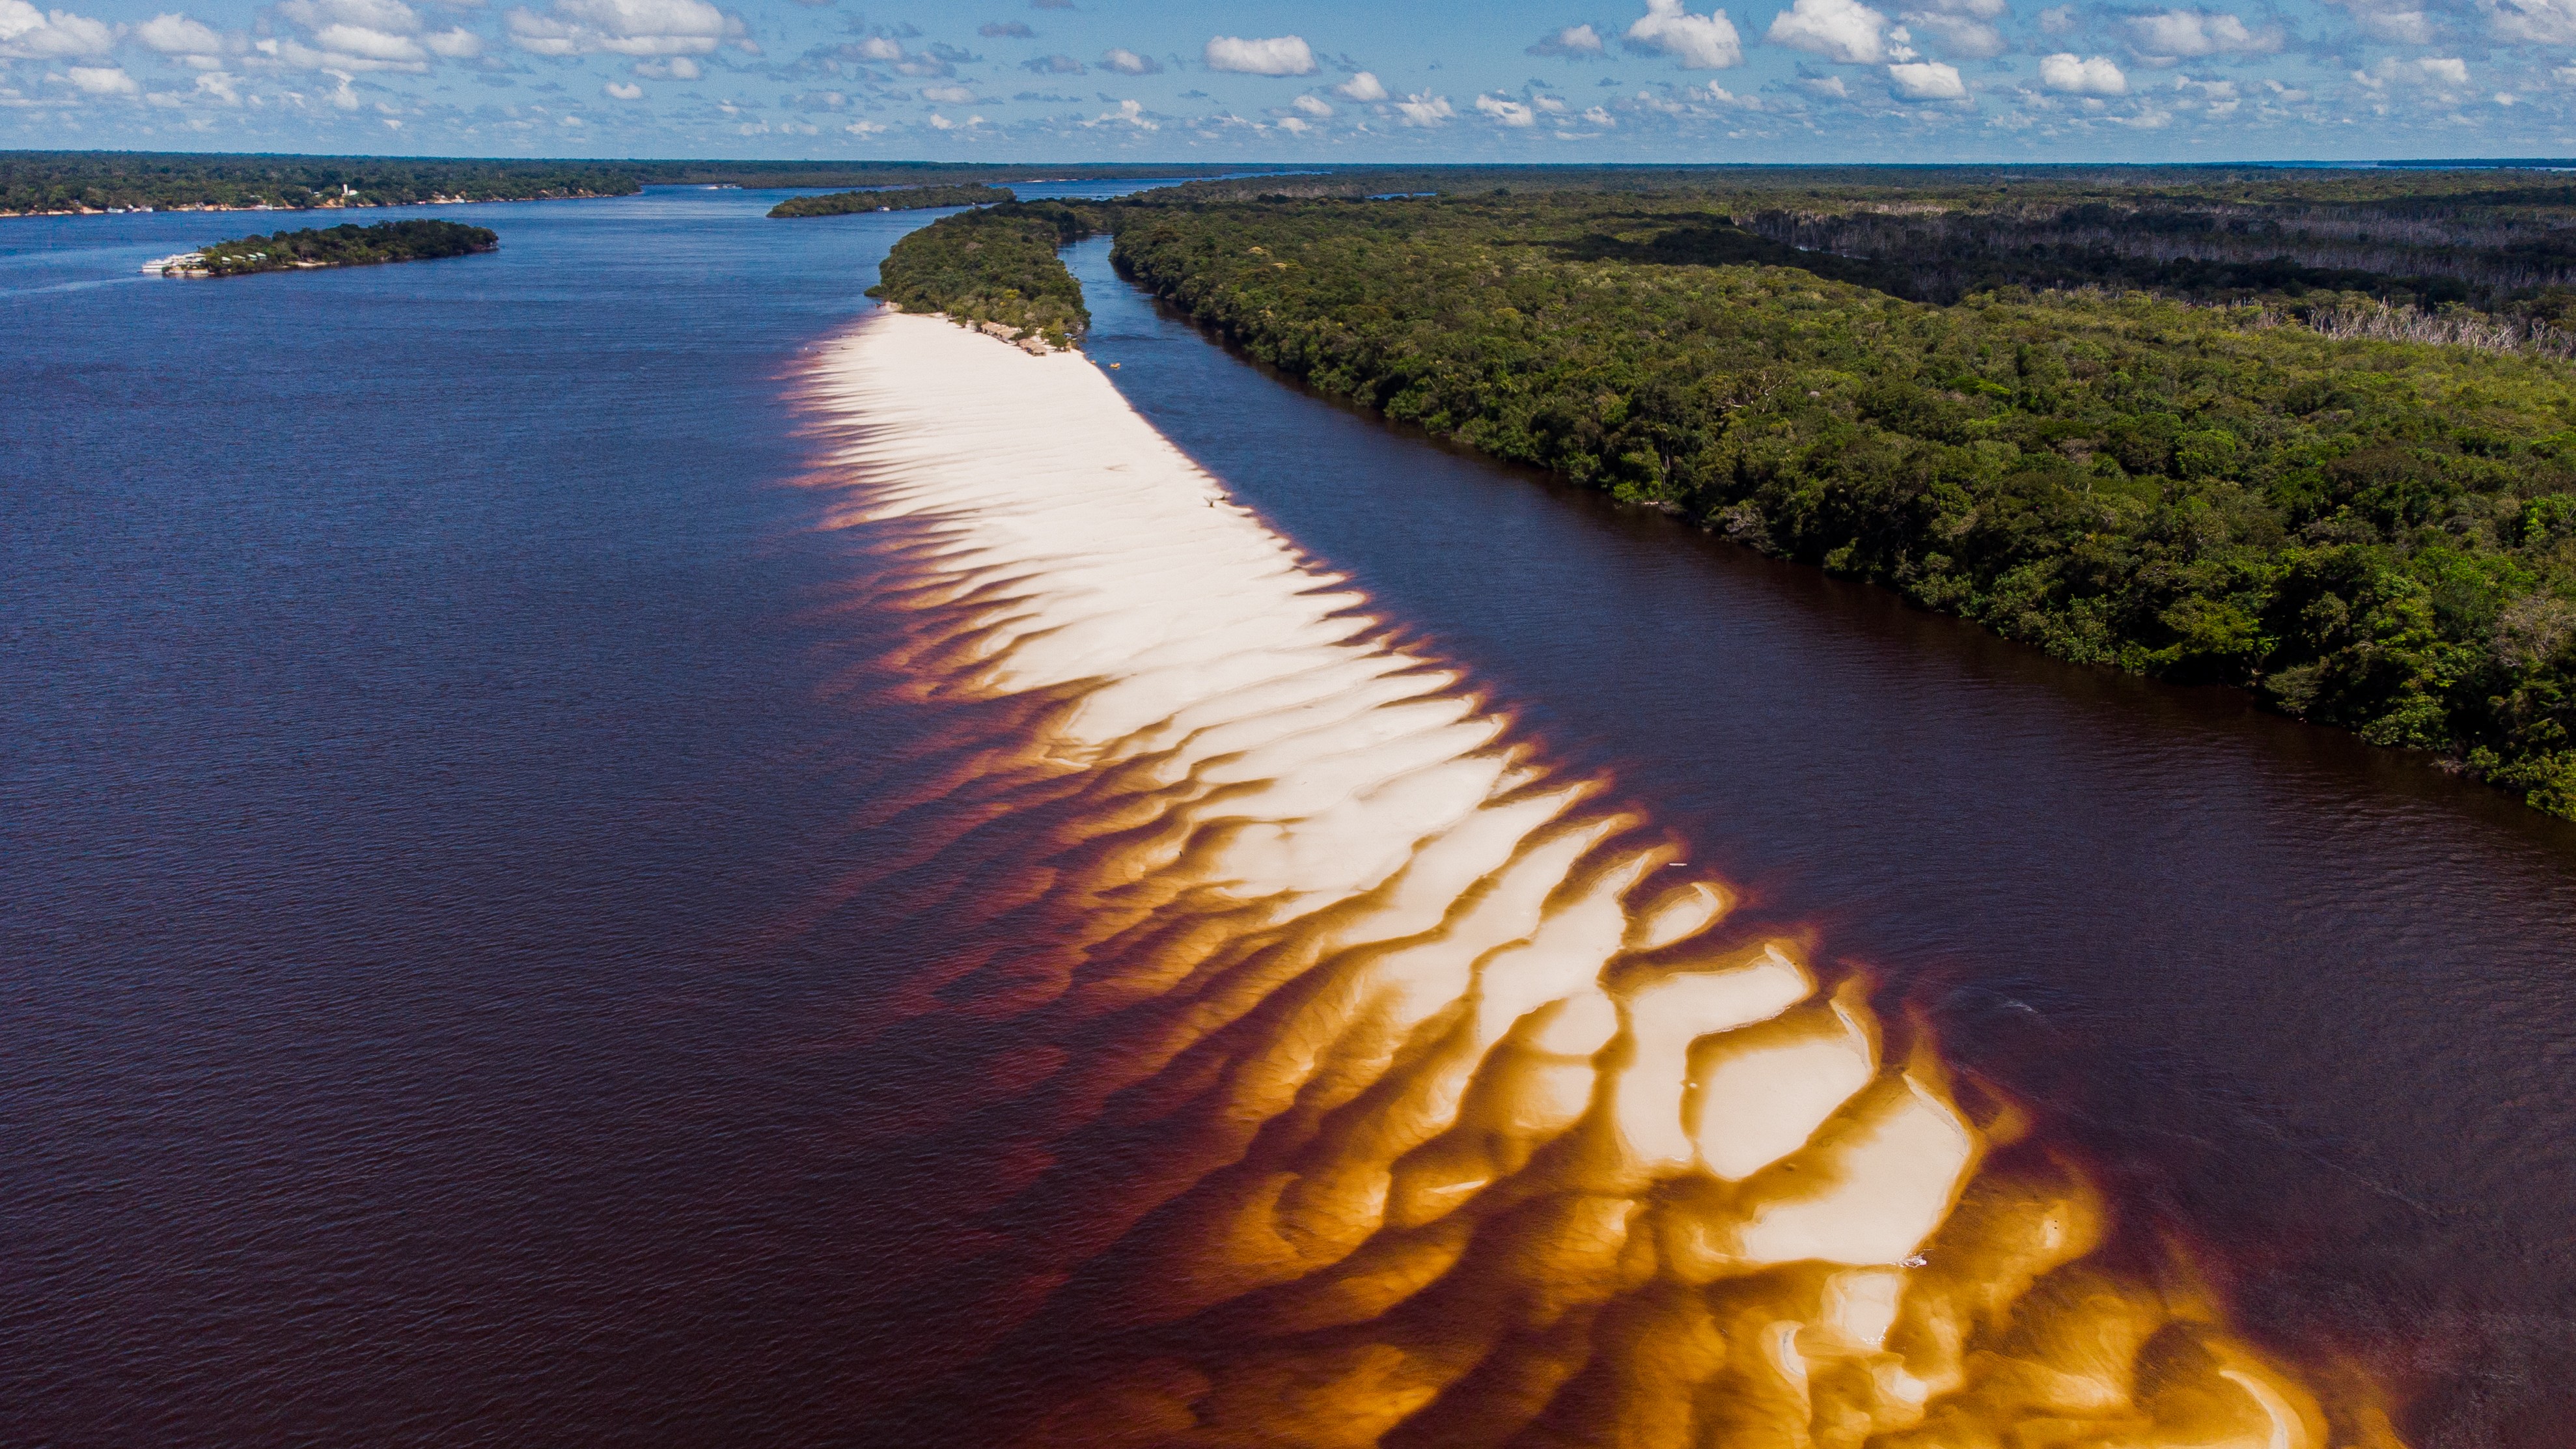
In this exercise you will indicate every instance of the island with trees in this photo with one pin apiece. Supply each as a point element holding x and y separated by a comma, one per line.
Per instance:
<point>893,198</point>
<point>2312,435</point>
<point>335,246</point>
<point>995,268</point>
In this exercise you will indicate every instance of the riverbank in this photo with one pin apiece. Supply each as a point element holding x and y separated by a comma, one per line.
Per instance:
<point>1461,1031</point>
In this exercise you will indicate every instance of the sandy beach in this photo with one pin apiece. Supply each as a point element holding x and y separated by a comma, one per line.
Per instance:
<point>1485,1120</point>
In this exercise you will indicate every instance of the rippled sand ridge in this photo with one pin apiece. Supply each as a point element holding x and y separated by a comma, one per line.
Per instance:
<point>1444,1104</point>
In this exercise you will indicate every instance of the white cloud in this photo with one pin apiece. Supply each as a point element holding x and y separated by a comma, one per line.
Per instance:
<point>1278,55</point>
<point>622,27</point>
<point>1128,62</point>
<point>176,34</point>
<point>1599,117</point>
<point>1959,27</point>
<point>103,80</point>
<point>878,47</point>
<point>2391,20</point>
<point>1422,108</point>
<point>1927,80</point>
<point>623,91</point>
<point>1573,40</point>
<point>2057,20</point>
<point>2074,75</point>
<point>678,67</point>
<point>215,85</point>
<point>865,128</point>
<point>1312,106</point>
<point>2170,35</point>
<point>948,95</point>
<point>1129,112</point>
<point>2539,22</point>
<point>2431,70</point>
<point>1361,87</point>
<point>1506,112</point>
<point>1840,30</point>
<point>368,44</point>
<point>456,44</point>
<point>27,33</point>
<point>1829,85</point>
<point>1699,42</point>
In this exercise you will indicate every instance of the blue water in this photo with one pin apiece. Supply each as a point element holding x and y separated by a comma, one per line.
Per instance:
<point>429,732</point>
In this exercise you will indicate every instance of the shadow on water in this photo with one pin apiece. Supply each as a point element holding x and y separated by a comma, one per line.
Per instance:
<point>2307,1002</point>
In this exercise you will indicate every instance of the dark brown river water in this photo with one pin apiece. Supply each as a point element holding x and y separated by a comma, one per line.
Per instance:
<point>452,903</point>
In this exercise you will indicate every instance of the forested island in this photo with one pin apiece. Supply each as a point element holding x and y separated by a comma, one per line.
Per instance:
<point>81,182</point>
<point>896,198</point>
<point>336,246</point>
<point>2312,436</point>
<point>995,267</point>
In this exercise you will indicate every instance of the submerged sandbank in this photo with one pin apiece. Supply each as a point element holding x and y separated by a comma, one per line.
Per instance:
<point>1477,1122</point>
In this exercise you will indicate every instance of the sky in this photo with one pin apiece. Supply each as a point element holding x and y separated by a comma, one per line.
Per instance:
<point>1283,82</point>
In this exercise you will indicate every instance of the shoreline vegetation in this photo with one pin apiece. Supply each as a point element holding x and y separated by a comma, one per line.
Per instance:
<point>338,246</point>
<point>2341,477</point>
<point>90,183</point>
<point>994,269</point>
<point>892,198</point>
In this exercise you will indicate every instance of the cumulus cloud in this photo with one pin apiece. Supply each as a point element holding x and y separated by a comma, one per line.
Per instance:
<point>176,34</point>
<point>2438,71</point>
<point>948,95</point>
<point>1506,112</point>
<point>2057,20</point>
<point>1599,117</point>
<point>1573,40</point>
<point>1131,113</point>
<point>1312,106</point>
<point>621,27</point>
<point>1361,87</point>
<point>1699,42</point>
<point>1278,55</point>
<point>1128,62</point>
<point>2168,36</point>
<point>1839,30</point>
<point>2537,22</point>
<point>1926,80</point>
<point>103,80</point>
<point>2398,27</point>
<point>2074,75</point>
<point>27,33</point>
<point>1054,65</point>
<point>1422,108</point>
<point>623,90</point>
<point>1959,27</point>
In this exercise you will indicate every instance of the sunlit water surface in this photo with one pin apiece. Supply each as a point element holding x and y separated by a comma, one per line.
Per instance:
<point>453,782</point>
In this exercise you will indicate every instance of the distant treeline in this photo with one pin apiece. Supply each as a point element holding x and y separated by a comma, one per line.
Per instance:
<point>91,181</point>
<point>342,246</point>
<point>996,265</point>
<point>2365,530</point>
<point>896,198</point>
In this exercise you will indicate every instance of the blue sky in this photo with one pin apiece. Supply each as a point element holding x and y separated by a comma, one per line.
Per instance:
<point>1521,80</point>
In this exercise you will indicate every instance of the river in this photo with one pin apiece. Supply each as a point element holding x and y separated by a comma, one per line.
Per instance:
<point>445,750</point>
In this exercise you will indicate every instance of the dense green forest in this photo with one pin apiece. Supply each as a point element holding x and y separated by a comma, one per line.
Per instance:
<point>995,265</point>
<point>896,198</point>
<point>2366,530</point>
<point>82,181</point>
<point>338,246</point>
